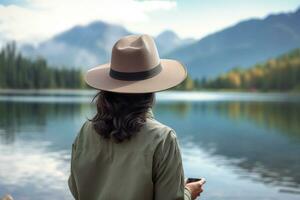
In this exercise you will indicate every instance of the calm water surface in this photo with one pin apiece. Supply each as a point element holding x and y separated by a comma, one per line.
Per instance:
<point>246,145</point>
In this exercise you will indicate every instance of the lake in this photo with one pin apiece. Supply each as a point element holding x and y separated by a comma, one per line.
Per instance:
<point>246,145</point>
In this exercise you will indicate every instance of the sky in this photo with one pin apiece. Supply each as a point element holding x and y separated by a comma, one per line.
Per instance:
<point>36,20</point>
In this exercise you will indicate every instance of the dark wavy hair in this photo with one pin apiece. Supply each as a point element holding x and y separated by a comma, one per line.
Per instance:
<point>121,115</point>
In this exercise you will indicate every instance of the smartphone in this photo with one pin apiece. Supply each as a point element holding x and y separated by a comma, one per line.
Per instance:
<point>189,180</point>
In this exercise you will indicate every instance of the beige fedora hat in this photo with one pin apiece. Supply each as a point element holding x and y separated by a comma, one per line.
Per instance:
<point>135,67</point>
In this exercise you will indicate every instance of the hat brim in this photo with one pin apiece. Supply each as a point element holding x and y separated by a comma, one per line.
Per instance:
<point>172,74</point>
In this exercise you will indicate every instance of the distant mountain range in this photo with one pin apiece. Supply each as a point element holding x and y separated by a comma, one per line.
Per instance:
<point>86,46</point>
<point>243,44</point>
<point>167,41</point>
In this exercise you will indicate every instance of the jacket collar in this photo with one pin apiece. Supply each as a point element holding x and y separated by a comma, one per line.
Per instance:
<point>150,113</point>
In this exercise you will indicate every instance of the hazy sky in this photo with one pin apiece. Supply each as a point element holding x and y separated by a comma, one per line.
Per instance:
<point>36,20</point>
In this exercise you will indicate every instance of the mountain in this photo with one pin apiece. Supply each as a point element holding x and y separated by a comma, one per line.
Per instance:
<point>79,46</point>
<point>168,41</point>
<point>87,46</point>
<point>243,44</point>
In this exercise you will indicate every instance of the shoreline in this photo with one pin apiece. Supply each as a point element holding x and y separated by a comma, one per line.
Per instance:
<point>89,92</point>
<point>82,95</point>
<point>63,92</point>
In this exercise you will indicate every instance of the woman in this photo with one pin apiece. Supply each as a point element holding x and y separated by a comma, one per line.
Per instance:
<point>123,152</point>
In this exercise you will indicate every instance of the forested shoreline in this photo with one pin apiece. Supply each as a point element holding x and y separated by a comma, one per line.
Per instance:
<point>280,74</point>
<point>18,72</point>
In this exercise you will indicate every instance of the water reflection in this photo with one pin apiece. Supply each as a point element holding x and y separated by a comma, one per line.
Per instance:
<point>30,171</point>
<point>261,139</point>
<point>248,146</point>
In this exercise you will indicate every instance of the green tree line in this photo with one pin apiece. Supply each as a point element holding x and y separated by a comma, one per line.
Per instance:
<point>19,72</point>
<point>281,74</point>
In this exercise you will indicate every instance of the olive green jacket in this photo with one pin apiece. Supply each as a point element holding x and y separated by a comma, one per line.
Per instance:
<point>146,167</point>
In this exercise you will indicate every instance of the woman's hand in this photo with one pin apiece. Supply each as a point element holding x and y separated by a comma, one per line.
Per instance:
<point>195,188</point>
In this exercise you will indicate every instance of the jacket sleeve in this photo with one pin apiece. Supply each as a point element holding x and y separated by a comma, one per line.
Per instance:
<point>72,178</point>
<point>168,174</point>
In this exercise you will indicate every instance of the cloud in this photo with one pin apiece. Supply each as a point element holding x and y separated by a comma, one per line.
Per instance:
<point>36,20</point>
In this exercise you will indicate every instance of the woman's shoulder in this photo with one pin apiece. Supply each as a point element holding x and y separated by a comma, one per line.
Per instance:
<point>87,124</point>
<point>158,129</point>
<point>84,125</point>
<point>84,131</point>
<point>164,139</point>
